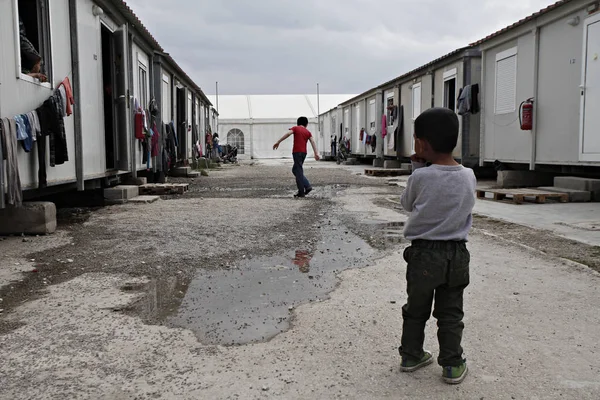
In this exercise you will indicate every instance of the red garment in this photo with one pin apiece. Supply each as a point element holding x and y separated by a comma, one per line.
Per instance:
<point>69,90</point>
<point>384,126</point>
<point>139,125</point>
<point>301,137</point>
<point>155,138</point>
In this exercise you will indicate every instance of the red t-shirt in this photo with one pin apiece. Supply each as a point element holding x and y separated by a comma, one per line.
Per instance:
<point>301,137</point>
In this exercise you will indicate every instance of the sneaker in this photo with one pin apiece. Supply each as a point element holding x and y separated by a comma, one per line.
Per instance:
<point>307,191</point>
<point>299,195</point>
<point>412,365</point>
<point>455,375</point>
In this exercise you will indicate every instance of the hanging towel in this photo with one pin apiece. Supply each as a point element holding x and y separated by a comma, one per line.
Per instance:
<point>27,143</point>
<point>384,126</point>
<point>69,100</point>
<point>399,128</point>
<point>392,139</point>
<point>21,133</point>
<point>9,144</point>
<point>34,121</point>
<point>374,143</point>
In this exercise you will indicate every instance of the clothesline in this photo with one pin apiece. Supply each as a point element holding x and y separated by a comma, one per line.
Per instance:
<point>34,126</point>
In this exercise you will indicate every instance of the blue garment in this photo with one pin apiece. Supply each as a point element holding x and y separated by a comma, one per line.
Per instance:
<point>298,171</point>
<point>21,130</point>
<point>28,142</point>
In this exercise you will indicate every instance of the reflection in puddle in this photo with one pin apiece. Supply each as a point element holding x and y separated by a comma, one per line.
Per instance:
<point>253,302</point>
<point>302,260</point>
<point>386,236</point>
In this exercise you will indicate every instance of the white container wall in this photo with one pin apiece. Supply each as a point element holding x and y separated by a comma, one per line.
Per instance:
<point>32,94</point>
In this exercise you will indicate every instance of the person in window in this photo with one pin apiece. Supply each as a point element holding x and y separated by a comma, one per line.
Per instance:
<point>31,61</point>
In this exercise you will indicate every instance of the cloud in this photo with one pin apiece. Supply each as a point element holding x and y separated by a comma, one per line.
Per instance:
<point>287,46</point>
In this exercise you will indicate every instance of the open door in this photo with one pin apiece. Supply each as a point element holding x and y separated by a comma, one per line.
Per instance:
<point>181,124</point>
<point>108,85</point>
<point>590,92</point>
<point>122,100</point>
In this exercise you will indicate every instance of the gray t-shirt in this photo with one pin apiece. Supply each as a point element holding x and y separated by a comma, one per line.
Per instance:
<point>440,200</point>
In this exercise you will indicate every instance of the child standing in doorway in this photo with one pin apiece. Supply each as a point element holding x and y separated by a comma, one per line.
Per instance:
<point>440,199</point>
<point>299,153</point>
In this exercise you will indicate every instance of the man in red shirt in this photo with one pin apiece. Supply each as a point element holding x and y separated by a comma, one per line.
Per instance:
<point>299,152</point>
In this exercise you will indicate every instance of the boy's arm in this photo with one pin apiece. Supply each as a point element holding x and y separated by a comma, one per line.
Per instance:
<point>409,195</point>
<point>287,135</point>
<point>314,146</point>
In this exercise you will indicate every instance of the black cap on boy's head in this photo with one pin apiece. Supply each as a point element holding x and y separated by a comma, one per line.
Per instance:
<point>439,127</point>
<point>302,121</point>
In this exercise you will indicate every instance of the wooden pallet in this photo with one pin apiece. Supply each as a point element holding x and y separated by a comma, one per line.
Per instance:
<point>386,172</point>
<point>161,189</point>
<point>519,196</point>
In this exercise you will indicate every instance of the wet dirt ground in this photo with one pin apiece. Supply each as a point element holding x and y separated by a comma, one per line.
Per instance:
<point>237,290</point>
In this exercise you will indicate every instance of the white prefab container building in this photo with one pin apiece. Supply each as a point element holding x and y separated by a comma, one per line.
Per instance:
<point>403,99</point>
<point>254,123</point>
<point>112,62</point>
<point>552,57</point>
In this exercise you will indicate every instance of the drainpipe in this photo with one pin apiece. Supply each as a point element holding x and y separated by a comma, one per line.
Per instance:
<point>536,70</point>
<point>483,109</point>
<point>77,95</point>
<point>2,205</point>
<point>378,128</point>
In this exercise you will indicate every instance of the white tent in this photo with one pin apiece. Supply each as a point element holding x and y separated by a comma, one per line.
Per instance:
<point>254,123</point>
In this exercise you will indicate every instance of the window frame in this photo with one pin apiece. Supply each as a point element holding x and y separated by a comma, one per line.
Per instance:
<point>239,140</point>
<point>451,75</point>
<point>47,54</point>
<point>505,55</point>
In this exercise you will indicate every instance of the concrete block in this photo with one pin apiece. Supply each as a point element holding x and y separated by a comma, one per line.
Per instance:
<point>406,166</point>
<point>352,161</point>
<point>520,179</point>
<point>378,163</point>
<point>34,218</point>
<point>583,184</point>
<point>144,199</point>
<point>181,172</point>
<point>136,181</point>
<point>193,174</point>
<point>392,164</point>
<point>575,196</point>
<point>123,192</point>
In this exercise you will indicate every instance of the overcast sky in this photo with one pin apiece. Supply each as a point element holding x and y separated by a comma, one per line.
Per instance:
<point>287,46</point>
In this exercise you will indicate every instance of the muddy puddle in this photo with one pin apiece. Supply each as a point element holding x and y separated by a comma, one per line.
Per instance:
<point>254,299</point>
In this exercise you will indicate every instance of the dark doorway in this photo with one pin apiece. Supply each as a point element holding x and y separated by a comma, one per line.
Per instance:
<point>108,87</point>
<point>181,124</point>
<point>450,94</point>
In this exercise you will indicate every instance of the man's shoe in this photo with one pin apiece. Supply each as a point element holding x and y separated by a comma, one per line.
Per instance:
<point>455,375</point>
<point>412,365</point>
<point>299,195</point>
<point>307,191</point>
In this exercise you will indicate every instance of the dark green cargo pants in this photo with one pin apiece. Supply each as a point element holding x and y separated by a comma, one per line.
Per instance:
<point>437,270</point>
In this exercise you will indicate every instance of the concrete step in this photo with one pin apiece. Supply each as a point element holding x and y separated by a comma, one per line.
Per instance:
<point>378,163</point>
<point>521,179</point>
<point>392,164</point>
<point>352,161</point>
<point>582,184</point>
<point>122,192</point>
<point>181,172</point>
<point>193,174</point>
<point>144,199</point>
<point>575,196</point>
<point>33,218</point>
<point>407,166</point>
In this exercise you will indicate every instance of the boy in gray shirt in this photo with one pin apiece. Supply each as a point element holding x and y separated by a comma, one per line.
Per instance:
<point>440,199</point>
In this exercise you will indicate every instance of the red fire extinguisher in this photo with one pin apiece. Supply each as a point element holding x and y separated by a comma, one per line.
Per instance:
<point>526,115</point>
